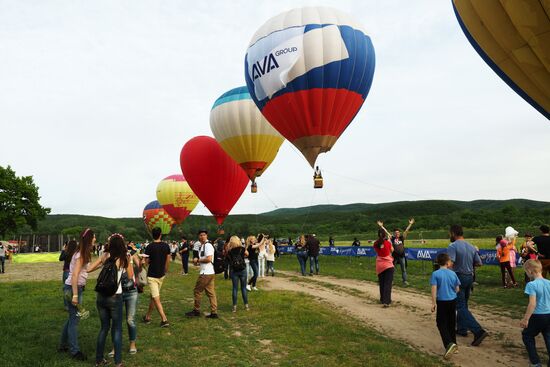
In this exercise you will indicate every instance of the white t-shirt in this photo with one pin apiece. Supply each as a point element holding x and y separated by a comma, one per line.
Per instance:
<point>207,250</point>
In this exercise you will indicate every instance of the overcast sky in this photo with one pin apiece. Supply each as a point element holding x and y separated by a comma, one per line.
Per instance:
<point>97,99</point>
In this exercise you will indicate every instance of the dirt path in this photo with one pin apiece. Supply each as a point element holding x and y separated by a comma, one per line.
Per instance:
<point>410,319</point>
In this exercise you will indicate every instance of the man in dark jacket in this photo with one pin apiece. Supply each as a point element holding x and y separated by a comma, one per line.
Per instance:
<point>313,247</point>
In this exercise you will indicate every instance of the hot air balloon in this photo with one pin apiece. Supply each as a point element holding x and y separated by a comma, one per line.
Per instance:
<point>213,175</point>
<point>244,133</point>
<point>155,216</point>
<point>513,38</point>
<point>176,197</point>
<point>309,71</point>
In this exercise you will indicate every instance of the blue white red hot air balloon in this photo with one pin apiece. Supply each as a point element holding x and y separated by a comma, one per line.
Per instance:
<point>309,71</point>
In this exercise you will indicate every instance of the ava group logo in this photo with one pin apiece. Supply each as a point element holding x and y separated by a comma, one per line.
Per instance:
<point>362,252</point>
<point>269,62</point>
<point>424,254</point>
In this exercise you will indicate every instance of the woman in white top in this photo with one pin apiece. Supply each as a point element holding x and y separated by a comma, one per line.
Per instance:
<point>74,287</point>
<point>261,260</point>
<point>110,307</point>
<point>270,257</point>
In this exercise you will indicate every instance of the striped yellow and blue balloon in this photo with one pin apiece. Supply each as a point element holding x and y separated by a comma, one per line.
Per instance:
<point>243,132</point>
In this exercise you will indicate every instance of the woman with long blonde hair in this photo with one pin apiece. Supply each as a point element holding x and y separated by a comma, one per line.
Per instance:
<point>235,256</point>
<point>270,257</point>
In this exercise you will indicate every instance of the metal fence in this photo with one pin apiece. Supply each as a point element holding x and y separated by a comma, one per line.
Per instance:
<point>40,242</point>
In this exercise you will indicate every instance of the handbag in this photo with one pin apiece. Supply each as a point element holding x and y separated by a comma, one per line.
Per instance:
<point>142,278</point>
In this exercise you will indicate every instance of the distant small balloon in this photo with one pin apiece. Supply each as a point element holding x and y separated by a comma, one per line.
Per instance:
<point>155,216</point>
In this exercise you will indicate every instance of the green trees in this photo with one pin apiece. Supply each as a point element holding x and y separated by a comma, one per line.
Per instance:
<point>19,202</point>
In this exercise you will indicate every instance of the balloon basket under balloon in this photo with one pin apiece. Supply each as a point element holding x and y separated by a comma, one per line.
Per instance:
<point>253,188</point>
<point>318,183</point>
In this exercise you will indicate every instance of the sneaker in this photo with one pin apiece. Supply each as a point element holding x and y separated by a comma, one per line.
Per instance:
<point>385,305</point>
<point>405,283</point>
<point>248,288</point>
<point>450,350</point>
<point>111,354</point>
<point>234,308</point>
<point>79,356</point>
<point>145,319</point>
<point>255,288</point>
<point>246,307</point>
<point>479,338</point>
<point>185,273</point>
<point>133,351</point>
<point>104,362</point>
<point>164,323</point>
<point>310,274</point>
<point>193,313</point>
<point>212,316</point>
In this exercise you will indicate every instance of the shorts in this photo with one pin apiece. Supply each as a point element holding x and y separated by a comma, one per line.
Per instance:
<point>155,284</point>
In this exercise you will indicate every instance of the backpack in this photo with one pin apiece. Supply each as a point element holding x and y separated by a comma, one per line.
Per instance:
<point>107,281</point>
<point>219,261</point>
<point>237,262</point>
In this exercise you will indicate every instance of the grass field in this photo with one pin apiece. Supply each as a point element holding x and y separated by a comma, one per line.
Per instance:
<point>490,293</point>
<point>36,258</point>
<point>282,328</point>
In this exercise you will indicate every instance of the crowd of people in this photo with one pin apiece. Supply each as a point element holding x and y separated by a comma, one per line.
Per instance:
<point>126,268</point>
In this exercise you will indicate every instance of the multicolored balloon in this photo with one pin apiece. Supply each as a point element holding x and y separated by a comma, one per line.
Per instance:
<point>243,132</point>
<point>512,37</point>
<point>176,197</point>
<point>213,175</point>
<point>309,71</point>
<point>155,216</point>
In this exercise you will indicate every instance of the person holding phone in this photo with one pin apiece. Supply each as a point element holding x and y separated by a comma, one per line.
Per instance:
<point>253,244</point>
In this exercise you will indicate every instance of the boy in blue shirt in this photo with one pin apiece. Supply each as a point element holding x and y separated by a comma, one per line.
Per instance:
<point>445,286</point>
<point>537,315</point>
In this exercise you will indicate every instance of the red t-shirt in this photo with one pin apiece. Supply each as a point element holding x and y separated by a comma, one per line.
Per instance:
<point>384,249</point>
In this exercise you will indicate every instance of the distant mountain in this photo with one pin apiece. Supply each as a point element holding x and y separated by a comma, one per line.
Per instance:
<point>433,217</point>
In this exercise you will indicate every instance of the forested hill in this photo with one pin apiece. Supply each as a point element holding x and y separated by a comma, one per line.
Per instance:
<point>480,218</point>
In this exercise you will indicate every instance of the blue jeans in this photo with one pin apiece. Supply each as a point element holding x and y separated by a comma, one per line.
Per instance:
<point>402,261</point>
<point>254,265</point>
<point>270,268</point>
<point>236,277</point>
<point>314,259</point>
<point>65,300</point>
<point>130,300</point>
<point>464,319</point>
<point>69,334</point>
<point>302,259</point>
<point>537,324</point>
<point>2,261</point>
<point>109,308</point>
